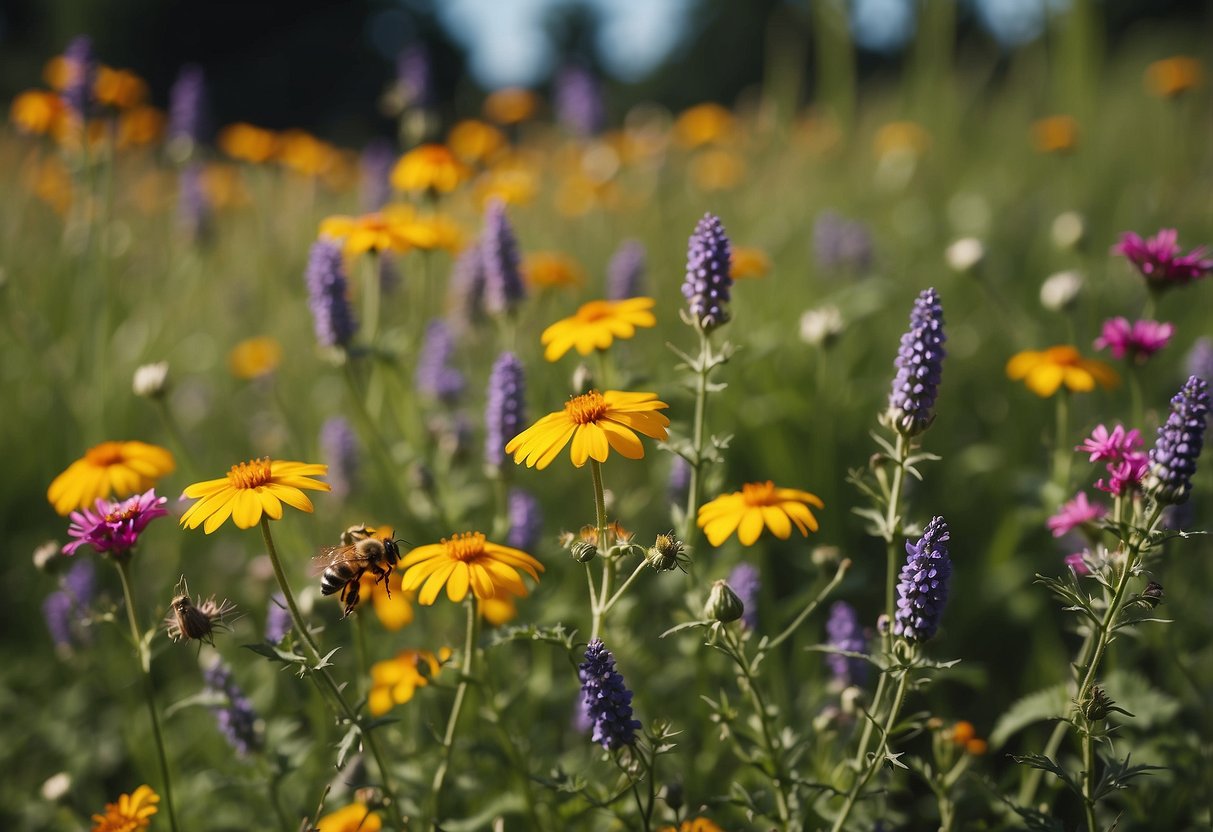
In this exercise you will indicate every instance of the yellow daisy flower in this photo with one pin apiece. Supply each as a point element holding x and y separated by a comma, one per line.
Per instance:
<point>380,231</point>
<point>119,469</point>
<point>119,88</point>
<point>429,168</point>
<point>511,105</point>
<point>394,681</point>
<point>140,126</point>
<point>474,141</point>
<point>499,610</point>
<point>250,489</point>
<point>596,325</point>
<point>394,610</point>
<point>550,270</point>
<point>466,561</point>
<point>357,817</point>
<point>306,155</point>
<point>431,232</point>
<point>595,422</point>
<point>248,143</point>
<point>1055,134</point>
<point>132,811</point>
<point>749,263</point>
<point>1046,370</point>
<point>36,112</point>
<point>758,504</point>
<point>704,124</point>
<point>1173,76</point>
<point>255,357</point>
<point>699,824</point>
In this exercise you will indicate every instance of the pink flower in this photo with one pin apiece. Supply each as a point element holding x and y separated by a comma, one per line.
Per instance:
<point>1160,261</point>
<point>1075,513</point>
<point>114,527</point>
<point>1138,340</point>
<point>1126,474</point>
<point>1112,445</point>
<point>1078,563</point>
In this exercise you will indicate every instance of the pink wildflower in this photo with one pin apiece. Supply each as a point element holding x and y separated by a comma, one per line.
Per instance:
<point>1138,340</point>
<point>1112,444</point>
<point>1075,513</point>
<point>1160,261</point>
<point>114,526</point>
<point>1078,563</point>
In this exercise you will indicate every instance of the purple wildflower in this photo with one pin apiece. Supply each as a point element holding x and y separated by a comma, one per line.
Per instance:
<point>843,632</point>
<point>1180,438</point>
<point>113,527</point>
<point>63,609</point>
<point>435,377</point>
<point>526,520</point>
<point>922,588</point>
<point>467,286</point>
<point>277,619</point>
<point>625,274</point>
<point>839,243</point>
<point>919,365</point>
<point>679,484</point>
<point>503,287</point>
<point>81,66</point>
<point>187,108</point>
<point>1078,512</point>
<point>375,169</point>
<point>1199,361</point>
<point>1160,261</point>
<point>339,448</point>
<point>607,698</point>
<point>1138,340</point>
<point>236,717</point>
<point>505,409</point>
<point>706,288</point>
<point>58,612</point>
<point>193,205</point>
<point>578,100</point>
<point>746,581</point>
<point>332,317</point>
<point>415,76</point>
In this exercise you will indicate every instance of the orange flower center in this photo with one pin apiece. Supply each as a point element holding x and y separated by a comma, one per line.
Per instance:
<point>105,454</point>
<point>251,474</point>
<point>121,516</point>
<point>595,310</point>
<point>757,494</point>
<point>586,409</point>
<point>465,547</point>
<point>1063,356</point>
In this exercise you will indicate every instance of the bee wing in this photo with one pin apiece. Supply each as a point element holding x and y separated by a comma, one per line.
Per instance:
<point>330,555</point>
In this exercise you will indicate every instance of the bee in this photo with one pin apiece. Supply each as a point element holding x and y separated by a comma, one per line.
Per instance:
<point>341,567</point>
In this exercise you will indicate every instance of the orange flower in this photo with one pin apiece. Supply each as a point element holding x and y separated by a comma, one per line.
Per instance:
<point>140,126</point>
<point>248,143</point>
<point>119,88</point>
<point>255,357</point>
<point>465,562</point>
<point>130,813</point>
<point>1055,134</point>
<point>758,504</point>
<point>499,610</point>
<point>430,168</point>
<point>704,124</point>
<point>749,263</point>
<point>717,170</point>
<point>1173,76</point>
<point>475,142</point>
<point>36,112</point>
<point>356,817</point>
<point>595,423</point>
<point>306,155</point>
<point>511,105</point>
<point>699,824</point>
<point>1045,371</point>
<point>551,269</point>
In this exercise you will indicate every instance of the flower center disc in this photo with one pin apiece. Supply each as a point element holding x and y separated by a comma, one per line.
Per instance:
<point>1063,356</point>
<point>594,311</point>
<point>587,408</point>
<point>758,493</point>
<point>105,454</point>
<point>465,547</point>
<point>251,474</point>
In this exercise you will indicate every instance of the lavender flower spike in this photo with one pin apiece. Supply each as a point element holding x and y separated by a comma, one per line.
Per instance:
<point>526,520</point>
<point>81,63</point>
<point>844,633</point>
<point>747,583</point>
<point>607,698</point>
<point>339,448</point>
<point>578,100</point>
<point>503,289</point>
<point>467,286</point>
<point>277,619</point>
<point>919,366</point>
<point>1180,438</point>
<point>625,273</point>
<point>435,377</point>
<point>505,408</point>
<point>922,589</point>
<point>707,284</point>
<point>327,295</point>
<point>187,108</point>
<point>236,717</point>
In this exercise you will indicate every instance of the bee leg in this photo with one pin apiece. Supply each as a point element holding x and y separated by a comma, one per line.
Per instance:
<point>383,576</point>
<point>351,601</point>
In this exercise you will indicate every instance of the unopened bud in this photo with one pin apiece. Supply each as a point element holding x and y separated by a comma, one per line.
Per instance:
<point>47,557</point>
<point>583,380</point>
<point>723,604</point>
<point>1069,229</point>
<point>851,699</point>
<point>1097,706</point>
<point>824,556</point>
<point>583,552</point>
<point>821,327</point>
<point>673,796</point>
<point>666,553</point>
<point>151,380</point>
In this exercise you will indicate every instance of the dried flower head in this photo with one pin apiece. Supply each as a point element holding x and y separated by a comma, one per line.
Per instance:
<point>667,553</point>
<point>195,622</point>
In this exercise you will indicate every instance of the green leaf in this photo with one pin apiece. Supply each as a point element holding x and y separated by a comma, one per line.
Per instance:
<point>1117,776</point>
<point>686,626</point>
<point>347,744</point>
<point>1134,693</point>
<point>274,654</point>
<point>1044,763</point>
<point>1047,704</point>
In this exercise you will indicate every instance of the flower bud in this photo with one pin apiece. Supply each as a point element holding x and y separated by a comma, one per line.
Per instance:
<point>851,700</point>
<point>825,556</point>
<point>46,556</point>
<point>673,796</point>
<point>723,604</point>
<point>1097,706</point>
<point>821,327</point>
<point>1060,290</point>
<point>965,254</point>
<point>668,552</point>
<point>151,380</point>
<point>1068,230</point>
<point>583,552</point>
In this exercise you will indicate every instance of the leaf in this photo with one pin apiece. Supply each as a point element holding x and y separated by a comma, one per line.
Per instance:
<point>1044,763</point>
<point>1118,774</point>
<point>1046,704</point>
<point>204,698</point>
<point>1134,693</point>
<point>686,626</point>
<point>274,654</point>
<point>324,661</point>
<point>346,746</point>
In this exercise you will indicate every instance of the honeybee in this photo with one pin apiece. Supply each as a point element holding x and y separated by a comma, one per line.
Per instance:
<point>341,567</point>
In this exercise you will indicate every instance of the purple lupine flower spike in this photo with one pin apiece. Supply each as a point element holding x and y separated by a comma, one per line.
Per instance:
<point>327,295</point>
<point>503,288</point>
<point>375,170</point>
<point>1180,438</point>
<point>193,205</point>
<point>706,288</point>
<point>839,243</point>
<point>844,632</point>
<point>435,377</point>
<point>578,100</point>
<point>919,365</point>
<point>746,581</point>
<point>81,63</point>
<point>526,520</point>
<point>625,274</point>
<point>922,588</point>
<point>277,617</point>
<point>188,111</point>
<point>467,286</point>
<point>505,408</point>
<point>339,448</point>
<point>64,608</point>
<point>415,76</point>
<point>236,717</point>
<point>607,698</point>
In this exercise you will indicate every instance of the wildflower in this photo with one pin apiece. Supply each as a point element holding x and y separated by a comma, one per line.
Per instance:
<point>901,138</point>
<point>248,143</point>
<point>844,633</point>
<point>746,581</point>
<point>237,720</point>
<point>467,285</point>
<point>1180,438</point>
<point>717,169</point>
<point>511,105</point>
<point>466,561</point>
<point>723,605</point>
<point>1160,261</point>
<point>251,489</point>
<point>526,520</point>
<point>340,449</point>
<point>625,272</point>
<point>327,290</point>
<point>375,169</point>
<point>1060,290</point>
<point>839,243</point>
<point>377,232</point>
<point>357,817</point>
<point>964,254</point>
<point>578,100</point>
<point>1171,77</point>
<point>415,76</point>
<point>151,380</point>
<point>1045,371</point>
<point>394,681</point>
<point>255,358</point>
<point>607,699</point>
<point>503,289</point>
<point>277,619</point>
<point>922,588</point>
<point>595,422</point>
<point>430,169</point>
<point>187,109</point>
<point>1078,512</point>
<point>1138,340</point>
<point>37,112</point>
<point>707,283</point>
<point>699,824</point>
<point>80,73</point>
<point>505,407</point>
<point>130,813</point>
<point>758,504</point>
<point>64,608</point>
<point>114,528</point>
<point>1055,134</point>
<point>596,325</point>
<point>679,482</point>
<point>474,141</point>
<point>746,263</point>
<point>704,124</point>
<point>118,468</point>
<point>434,376</point>
<point>919,365</point>
<point>667,553</point>
<point>551,270</point>
<point>821,327</point>
<point>1069,229</point>
<point>393,605</point>
<point>1078,562</point>
<point>119,88</point>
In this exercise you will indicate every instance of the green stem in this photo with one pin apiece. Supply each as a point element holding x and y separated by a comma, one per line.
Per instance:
<point>1088,780</point>
<point>176,436</point>
<point>1062,454</point>
<point>619,593</point>
<point>518,762</point>
<point>892,525</point>
<point>149,691</point>
<point>597,604</point>
<point>383,454</point>
<point>370,297</point>
<point>878,756</point>
<point>326,680</point>
<point>697,430</point>
<point>452,724</point>
<point>839,574</point>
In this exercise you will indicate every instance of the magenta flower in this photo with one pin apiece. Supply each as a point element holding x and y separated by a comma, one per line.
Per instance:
<point>1110,444</point>
<point>1160,261</point>
<point>1078,563</point>
<point>1075,513</point>
<point>1138,340</point>
<point>114,526</point>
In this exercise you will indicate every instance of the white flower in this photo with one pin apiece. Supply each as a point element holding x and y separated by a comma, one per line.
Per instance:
<point>819,327</point>
<point>151,380</point>
<point>965,254</point>
<point>1069,229</point>
<point>1059,290</point>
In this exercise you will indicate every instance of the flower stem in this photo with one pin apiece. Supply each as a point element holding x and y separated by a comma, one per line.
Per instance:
<point>597,604</point>
<point>1088,780</point>
<point>370,296</point>
<point>892,525</point>
<point>878,756</point>
<point>619,593</point>
<point>701,405</point>
<point>149,691</point>
<point>452,724</point>
<point>393,805</point>
<point>1062,455</point>
<point>812,605</point>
